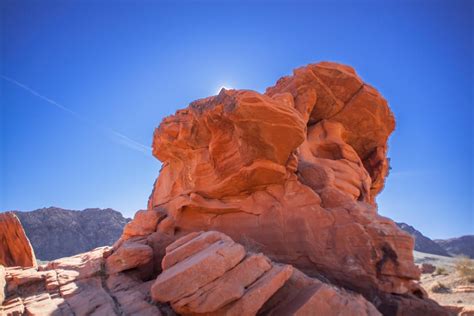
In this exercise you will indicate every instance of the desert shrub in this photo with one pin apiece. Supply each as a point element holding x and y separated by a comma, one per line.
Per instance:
<point>465,268</point>
<point>441,271</point>
<point>439,287</point>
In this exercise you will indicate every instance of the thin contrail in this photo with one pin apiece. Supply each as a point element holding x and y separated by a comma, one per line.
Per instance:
<point>119,137</point>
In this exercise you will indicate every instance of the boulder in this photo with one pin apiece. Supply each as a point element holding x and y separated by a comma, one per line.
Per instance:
<point>196,270</point>
<point>144,223</point>
<point>427,268</point>
<point>297,168</point>
<point>129,255</point>
<point>230,287</point>
<point>15,248</point>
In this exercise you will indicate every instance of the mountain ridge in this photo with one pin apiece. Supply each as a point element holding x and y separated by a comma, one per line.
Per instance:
<point>55,232</point>
<point>456,246</point>
<point>463,245</point>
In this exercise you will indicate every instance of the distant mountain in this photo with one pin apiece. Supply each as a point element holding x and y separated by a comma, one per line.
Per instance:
<point>423,243</point>
<point>458,246</point>
<point>56,232</point>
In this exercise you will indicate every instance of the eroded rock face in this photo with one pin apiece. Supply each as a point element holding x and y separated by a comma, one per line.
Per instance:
<point>223,279</point>
<point>15,248</point>
<point>294,172</point>
<point>302,295</point>
<point>77,285</point>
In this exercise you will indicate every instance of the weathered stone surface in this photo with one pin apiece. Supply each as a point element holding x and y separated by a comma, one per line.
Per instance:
<point>81,266</point>
<point>406,305</point>
<point>15,248</point>
<point>77,285</point>
<point>198,269</point>
<point>302,295</point>
<point>257,285</point>
<point>143,224</point>
<point>230,287</point>
<point>299,183</point>
<point>129,255</point>
<point>132,295</point>
<point>190,245</point>
<point>259,292</point>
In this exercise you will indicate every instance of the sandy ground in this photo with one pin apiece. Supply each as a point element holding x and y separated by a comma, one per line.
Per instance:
<point>453,283</point>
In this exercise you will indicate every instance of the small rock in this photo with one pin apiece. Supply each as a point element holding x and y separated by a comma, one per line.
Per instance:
<point>427,268</point>
<point>129,255</point>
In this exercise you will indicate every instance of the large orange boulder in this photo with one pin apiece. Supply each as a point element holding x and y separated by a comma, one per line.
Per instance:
<point>287,171</point>
<point>294,173</point>
<point>15,248</point>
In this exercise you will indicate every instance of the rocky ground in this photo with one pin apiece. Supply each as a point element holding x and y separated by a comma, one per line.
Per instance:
<point>445,285</point>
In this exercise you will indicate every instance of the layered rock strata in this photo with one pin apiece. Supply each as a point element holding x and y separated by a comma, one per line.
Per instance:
<point>293,172</point>
<point>209,274</point>
<point>78,285</point>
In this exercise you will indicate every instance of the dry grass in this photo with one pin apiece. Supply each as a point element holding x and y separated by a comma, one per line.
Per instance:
<point>441,271</point>
<point>452,281</point>
<point>465,268</point>
<point>439,287</point>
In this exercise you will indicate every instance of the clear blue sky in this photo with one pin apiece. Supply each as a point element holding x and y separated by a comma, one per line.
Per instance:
<point>121,66</point>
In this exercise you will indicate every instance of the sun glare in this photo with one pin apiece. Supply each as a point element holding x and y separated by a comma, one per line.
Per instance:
<point>222,87</point>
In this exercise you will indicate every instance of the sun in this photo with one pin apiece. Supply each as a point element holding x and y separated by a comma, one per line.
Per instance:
<point>223,87</point>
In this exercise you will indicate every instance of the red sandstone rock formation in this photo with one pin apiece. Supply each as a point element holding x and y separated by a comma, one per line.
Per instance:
<point>294,171</point>
<point>207,273</point>
<point>15,248</point>
<point>76,285</point>
<point>291,174</point>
